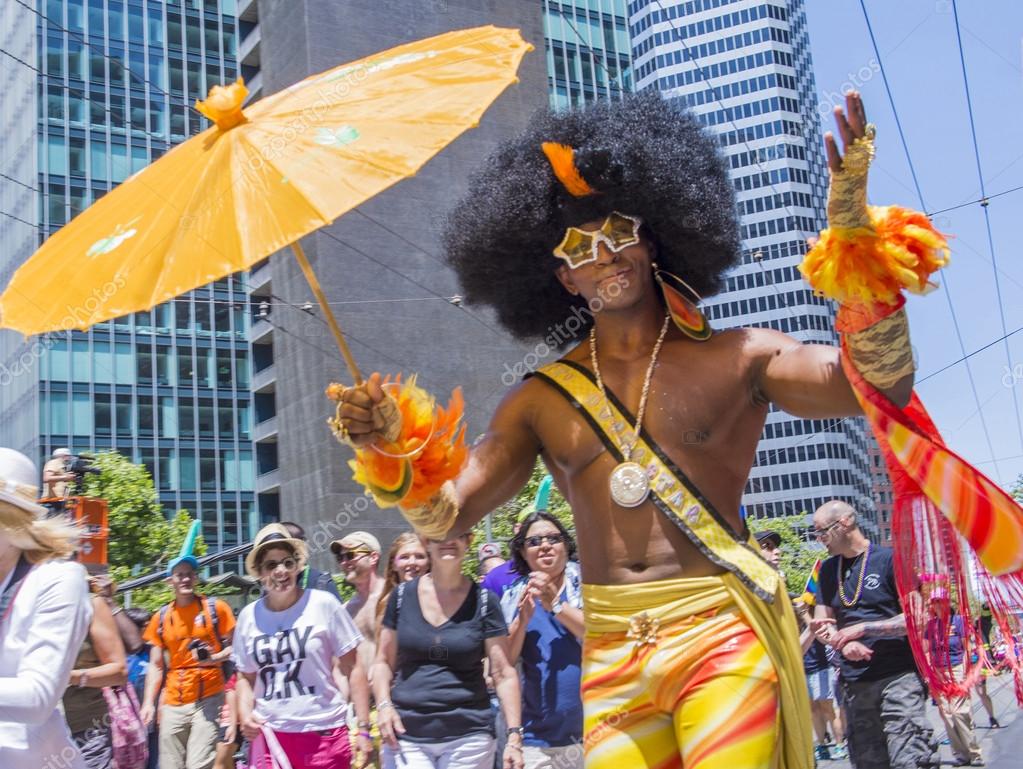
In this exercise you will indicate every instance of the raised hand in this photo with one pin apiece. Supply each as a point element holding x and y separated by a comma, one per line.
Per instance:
<point>367,414</point>
<point>852,125</point>
<point>847,195</point>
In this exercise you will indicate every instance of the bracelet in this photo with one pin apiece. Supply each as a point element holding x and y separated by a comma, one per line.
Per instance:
<point>83,679</point>
<point>367,735</point>
<point>117,611</point>
<point>385,704</point>
<point>364,725</point>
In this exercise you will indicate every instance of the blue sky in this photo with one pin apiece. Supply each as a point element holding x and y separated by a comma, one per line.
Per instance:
<point>920,56</point>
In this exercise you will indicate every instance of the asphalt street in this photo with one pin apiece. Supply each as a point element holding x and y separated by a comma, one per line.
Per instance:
<point>1002,748</point>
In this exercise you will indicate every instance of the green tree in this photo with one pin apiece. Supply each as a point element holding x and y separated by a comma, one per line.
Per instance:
<point>504,518</point>
<point>797,554</point>
<point>1017,489</point>
<point>141,538</point>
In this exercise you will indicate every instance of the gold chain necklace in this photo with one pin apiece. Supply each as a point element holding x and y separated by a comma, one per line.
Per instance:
<point>630,485</point>
<point>859,583</point>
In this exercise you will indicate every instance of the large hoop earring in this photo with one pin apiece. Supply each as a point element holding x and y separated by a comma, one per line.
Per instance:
<point>684,311</point>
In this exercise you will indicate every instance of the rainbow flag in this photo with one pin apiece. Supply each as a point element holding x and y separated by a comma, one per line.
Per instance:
<point>809,596</point>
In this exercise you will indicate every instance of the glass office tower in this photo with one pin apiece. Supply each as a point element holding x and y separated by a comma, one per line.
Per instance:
<point>589,55</point>
<point>744,68</point>
<point>115,82</point>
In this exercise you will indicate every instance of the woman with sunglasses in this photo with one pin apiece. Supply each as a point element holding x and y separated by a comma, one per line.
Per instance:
<point>286,646</point>
<point>432,704</point>
<point>543,609</point>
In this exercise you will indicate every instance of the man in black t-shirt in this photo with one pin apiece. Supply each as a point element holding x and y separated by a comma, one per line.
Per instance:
<point>859,614</point>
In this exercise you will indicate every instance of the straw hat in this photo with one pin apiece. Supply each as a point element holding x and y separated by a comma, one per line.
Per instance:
<point>18,484</point>
<point>269,536</point>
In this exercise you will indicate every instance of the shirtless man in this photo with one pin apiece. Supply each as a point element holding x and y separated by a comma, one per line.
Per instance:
<point>691,650</point>
<point>357,555</point>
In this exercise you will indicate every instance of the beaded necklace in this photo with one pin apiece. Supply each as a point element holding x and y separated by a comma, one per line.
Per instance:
<point>859,582</point>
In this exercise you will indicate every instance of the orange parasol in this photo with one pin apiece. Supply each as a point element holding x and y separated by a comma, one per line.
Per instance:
<point>260,179</point>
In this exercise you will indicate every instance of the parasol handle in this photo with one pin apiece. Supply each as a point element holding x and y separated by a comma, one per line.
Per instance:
<point>339,337</point>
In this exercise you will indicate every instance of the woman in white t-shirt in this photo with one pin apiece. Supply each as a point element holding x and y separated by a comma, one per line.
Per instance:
<point>45,613</point>
<point>286,646</point>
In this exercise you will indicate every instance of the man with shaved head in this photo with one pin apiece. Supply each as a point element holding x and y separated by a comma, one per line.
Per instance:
<point>860,616</point>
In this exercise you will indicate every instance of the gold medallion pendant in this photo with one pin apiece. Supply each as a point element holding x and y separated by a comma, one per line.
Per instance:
<point>629,484</point>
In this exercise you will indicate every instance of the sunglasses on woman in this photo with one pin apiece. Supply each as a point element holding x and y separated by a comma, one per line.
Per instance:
<point>290,564</point>
<point>550,539</point>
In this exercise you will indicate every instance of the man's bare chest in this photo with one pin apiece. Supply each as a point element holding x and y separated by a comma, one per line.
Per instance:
<point>690,423</point>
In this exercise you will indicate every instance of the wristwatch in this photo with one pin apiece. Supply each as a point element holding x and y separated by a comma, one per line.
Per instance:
<point>557,607</point>
<point>519,730</point>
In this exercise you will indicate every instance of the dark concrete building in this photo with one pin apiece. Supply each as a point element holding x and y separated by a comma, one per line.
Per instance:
<point>380,266</point>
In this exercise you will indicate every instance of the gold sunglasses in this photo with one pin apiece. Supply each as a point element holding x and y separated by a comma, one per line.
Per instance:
<point>579,247</point>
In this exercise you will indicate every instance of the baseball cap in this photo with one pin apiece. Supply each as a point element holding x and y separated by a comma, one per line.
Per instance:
<point>769,536</point>
<point>357,540</point>
<point>489,550</point>
<point>61,453</point>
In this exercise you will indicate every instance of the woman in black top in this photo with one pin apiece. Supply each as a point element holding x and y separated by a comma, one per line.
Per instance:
<point>428,681</point>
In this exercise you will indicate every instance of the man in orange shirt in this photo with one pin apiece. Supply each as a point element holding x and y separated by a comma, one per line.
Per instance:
<point>195,634</point>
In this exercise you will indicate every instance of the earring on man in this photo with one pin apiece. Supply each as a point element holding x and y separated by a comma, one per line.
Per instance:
<point>687,316</point>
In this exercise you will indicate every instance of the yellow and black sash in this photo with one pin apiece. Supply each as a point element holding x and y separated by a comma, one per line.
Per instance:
<point>671,491</point>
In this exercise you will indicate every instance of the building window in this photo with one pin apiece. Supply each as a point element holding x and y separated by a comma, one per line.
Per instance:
<point>82,425</point>
<point>168,417</point>
<point>208,469</point>
<point>123,415</point>
<point>165,371</point>
<point>207,425</point>
<point>101,414</point>
<point>58,414</point>
<point>145,418</point>
<point>186,418</point>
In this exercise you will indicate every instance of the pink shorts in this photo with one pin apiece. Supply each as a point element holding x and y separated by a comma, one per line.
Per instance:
<point>329,749</point>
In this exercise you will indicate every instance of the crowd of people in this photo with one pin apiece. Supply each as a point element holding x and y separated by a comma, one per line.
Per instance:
<point>421,668</point>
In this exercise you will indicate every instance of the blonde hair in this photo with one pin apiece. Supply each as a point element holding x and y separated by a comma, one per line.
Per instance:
<point>393,578</point>
<point>40,539</point>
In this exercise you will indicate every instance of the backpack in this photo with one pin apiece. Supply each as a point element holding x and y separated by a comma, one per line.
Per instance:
<point>129,736</point>
<point>210,606</point>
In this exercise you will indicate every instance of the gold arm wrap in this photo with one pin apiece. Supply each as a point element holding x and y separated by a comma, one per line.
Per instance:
<point>435,519</point>
<point>882,352</point>
<point>847,194</point>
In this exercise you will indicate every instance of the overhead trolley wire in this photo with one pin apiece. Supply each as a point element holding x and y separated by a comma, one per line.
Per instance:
<point>987,216</point>
<point>710,88</point>
<point>923,206</point>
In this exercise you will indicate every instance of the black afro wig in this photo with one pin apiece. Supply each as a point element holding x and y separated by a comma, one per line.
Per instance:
<point>646,157</point>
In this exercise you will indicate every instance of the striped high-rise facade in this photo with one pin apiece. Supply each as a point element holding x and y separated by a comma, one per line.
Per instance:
<point>744,67</point>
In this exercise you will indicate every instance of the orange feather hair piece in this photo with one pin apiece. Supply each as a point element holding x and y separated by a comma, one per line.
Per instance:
<point>562,160</point>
